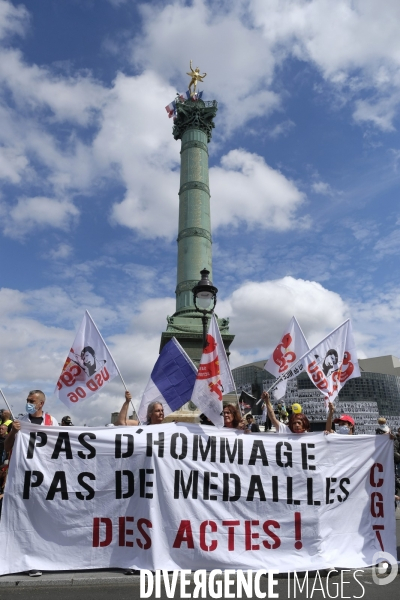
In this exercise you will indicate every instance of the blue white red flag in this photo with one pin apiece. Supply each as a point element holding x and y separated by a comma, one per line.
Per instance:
<point>171,381</point>
<point>171,109</point>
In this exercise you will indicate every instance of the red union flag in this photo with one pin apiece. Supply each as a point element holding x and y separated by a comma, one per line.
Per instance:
<point>332,362</point>
<point>292,346</point>
<point>88,367</point>
<point>214,377</point>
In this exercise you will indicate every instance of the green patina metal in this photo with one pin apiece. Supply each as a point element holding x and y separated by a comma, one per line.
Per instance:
<point>193,125</point>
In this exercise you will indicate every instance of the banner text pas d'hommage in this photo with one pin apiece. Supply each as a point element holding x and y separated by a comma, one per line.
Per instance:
<point>180,495</point>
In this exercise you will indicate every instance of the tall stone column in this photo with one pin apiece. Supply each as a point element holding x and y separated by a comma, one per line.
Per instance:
<point>193,125</point>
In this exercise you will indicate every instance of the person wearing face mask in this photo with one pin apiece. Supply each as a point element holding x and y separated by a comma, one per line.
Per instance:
<point>34,414</point>
<point>345,423</point>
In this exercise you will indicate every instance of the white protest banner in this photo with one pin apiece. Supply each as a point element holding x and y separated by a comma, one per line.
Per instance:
<point>214,377</point>
<point>293,345</point>
<point>89,365</point>
<point>182,496</point>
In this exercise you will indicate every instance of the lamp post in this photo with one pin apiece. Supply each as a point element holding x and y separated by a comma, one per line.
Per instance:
<point>205,299</point>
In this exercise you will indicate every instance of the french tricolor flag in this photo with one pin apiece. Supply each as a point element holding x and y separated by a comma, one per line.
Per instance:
<point>171,108</point>
<point>171,381</point>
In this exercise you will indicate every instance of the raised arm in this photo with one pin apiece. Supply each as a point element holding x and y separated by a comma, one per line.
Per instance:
<point>328,426</point>
<point>270,410</point>
<point>10,439</point>
<point>122,418</point>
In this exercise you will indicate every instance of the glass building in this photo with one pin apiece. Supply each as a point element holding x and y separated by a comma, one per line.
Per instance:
<point>375,393</point>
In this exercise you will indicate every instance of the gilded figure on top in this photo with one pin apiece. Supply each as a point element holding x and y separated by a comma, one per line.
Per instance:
<point>195,75</point>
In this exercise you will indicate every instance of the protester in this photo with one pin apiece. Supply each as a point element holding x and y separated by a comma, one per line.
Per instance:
<point>67,422</point>
<point>345,423</point>
<point>251,425</point>
<point>298,423</point>
<point>383,427</point>
<point>232,416</point>
<point>265,418</point>
<point>122,418</point>
<point>36,416</point>
<point>3,435</point>
<point>155,414</point>
<point>6,418</point>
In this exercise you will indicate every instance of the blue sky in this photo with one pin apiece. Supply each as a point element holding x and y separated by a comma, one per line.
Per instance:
<point>304,176</point>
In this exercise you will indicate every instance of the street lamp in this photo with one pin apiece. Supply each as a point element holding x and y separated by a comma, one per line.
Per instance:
<point>205,299</point>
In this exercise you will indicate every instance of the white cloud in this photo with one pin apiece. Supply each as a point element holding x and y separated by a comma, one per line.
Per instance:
<point>62,251</point>
<point>246,189</point>
<point>31,213</point>
<point>12,164</point>
<point>323,188</point>
<point>282,129</point>
<point>259,312</point>
<point>381,112</point>
<point>13,19</point>
<point>353,44</point>
<point>389,244</point>
<point>239,65</point>
<point>33,88</point>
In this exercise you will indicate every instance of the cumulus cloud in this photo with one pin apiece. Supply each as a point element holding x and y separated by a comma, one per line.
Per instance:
<point>246,189</point>
<point>146,161</point>
<point>323,188</point>
<point>62,251</point>
<point>31,213</point>
<point>13,19</point>
<point>34,338</point>
<point>34,352</point>
<point>33,87</point>
<point>259,312</point>
<point>214,36</point>
<point>354,45</point>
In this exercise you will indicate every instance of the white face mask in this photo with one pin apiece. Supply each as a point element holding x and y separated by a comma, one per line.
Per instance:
<point>344,430</point>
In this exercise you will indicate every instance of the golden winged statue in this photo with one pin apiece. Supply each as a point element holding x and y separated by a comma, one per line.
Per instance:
<point>195,75</point>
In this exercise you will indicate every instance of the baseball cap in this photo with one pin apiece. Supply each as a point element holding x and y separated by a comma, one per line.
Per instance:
<point>347,418</point>
<point>67,420</point>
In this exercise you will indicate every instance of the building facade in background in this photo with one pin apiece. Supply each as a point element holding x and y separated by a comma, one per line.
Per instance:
<point>376,393</point>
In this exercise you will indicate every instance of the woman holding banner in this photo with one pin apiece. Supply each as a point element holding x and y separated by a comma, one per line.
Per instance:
<point>298,423</point>
<point>155,413</point>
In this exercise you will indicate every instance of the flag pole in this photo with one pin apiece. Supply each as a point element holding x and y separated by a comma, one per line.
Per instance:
<point>8,406</point>
<point>108,350</point>
<point>305,354</point>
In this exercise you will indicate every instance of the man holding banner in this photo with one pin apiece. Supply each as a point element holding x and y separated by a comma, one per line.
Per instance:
<point>34,414</point>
